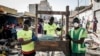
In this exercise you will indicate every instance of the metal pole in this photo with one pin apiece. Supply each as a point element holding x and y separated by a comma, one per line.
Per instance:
<point>78,8</point>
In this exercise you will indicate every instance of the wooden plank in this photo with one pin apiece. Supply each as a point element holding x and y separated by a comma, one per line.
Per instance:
<point>52,46</point>
<point>52,12</point>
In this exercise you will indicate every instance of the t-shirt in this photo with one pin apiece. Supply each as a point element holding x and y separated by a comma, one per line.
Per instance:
<point>40,29</point>
<point>26,35</point>
<point>50,29</point>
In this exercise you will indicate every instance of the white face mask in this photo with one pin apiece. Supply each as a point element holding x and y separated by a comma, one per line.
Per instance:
<point>76,24</point>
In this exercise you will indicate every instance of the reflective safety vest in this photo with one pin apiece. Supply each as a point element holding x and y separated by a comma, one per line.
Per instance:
<point>45,26</point>
<point>26,35</point>
<point>50,29</point>
<point>59,32</point>
<point>76,47</point>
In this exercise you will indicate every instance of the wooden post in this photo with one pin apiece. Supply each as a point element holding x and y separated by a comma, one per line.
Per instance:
<point>36,20</point>
<point>67,26</point>
<point>67,19</point>
<point>62,29</point>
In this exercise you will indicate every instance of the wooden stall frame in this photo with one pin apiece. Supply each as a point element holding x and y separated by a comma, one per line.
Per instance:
<point>53,12</point>
<point>42,43</point>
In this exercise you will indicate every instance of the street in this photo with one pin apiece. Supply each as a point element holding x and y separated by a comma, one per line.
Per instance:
<point>33,24</point>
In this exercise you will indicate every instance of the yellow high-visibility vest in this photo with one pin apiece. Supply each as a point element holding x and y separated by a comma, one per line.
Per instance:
<point>50,29</point>
<point>26,35</point>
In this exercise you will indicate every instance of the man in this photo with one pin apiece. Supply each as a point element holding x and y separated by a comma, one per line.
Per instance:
<point>95,21</point>
<point>83,22</point>
<point>26,40</point>
<point>2,22</point>
<point>50,28</point>
<point>13,31</point>
<point>77,36</point>
<point>40,26</point>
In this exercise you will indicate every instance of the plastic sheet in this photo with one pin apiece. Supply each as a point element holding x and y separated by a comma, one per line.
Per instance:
<point>49,38</point>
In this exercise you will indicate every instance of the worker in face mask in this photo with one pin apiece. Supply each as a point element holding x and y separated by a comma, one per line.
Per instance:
<point>76,23</point>
<point>77,36</point>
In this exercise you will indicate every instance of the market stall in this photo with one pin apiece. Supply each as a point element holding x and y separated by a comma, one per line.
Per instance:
<point>51,44</point>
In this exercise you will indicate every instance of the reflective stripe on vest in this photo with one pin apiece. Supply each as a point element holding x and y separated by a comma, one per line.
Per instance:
<point>72,31</point>
<point>79,45</point>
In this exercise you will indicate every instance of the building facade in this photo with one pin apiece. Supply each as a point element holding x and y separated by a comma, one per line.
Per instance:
<point>42,6</point>
<point>85,17</point>
<point>32,8</point>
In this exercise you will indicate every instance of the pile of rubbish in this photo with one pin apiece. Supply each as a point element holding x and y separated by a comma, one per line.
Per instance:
<point>93,45</point>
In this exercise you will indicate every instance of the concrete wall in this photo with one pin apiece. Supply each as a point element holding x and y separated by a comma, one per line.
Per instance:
<point>43,6</point>
<point>96,5</point>
<point>32,8</point>
<point>87,15</point>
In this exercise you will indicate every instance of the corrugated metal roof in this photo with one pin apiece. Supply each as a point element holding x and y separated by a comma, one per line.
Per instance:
<point>8,10</point>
